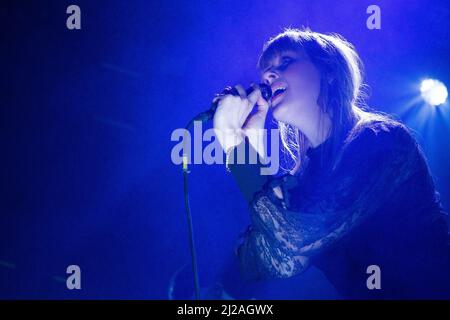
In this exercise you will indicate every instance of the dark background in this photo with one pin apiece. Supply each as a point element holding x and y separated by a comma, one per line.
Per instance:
<point>86,173</point>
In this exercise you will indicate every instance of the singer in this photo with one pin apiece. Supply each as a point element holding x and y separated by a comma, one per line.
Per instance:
<point>355,189</point>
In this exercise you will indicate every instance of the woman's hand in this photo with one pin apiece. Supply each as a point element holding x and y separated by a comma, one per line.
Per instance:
<point>232,122</point>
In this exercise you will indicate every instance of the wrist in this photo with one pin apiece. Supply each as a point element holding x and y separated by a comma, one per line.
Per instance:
<point>232,138</point>
<point>257,139</point>
<point>229,138</point>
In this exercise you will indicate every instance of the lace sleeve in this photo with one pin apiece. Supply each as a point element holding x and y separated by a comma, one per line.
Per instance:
<point>281,239</point>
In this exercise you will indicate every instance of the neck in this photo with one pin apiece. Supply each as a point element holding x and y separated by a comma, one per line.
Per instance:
<point>317,130</point>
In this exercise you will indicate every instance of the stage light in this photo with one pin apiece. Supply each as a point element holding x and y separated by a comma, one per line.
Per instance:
<point>434,92</point>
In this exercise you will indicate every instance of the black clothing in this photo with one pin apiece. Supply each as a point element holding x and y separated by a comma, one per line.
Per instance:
<point>372,203</point>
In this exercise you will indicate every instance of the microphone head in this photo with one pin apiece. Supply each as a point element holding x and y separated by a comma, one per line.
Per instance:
<point>266,91</point>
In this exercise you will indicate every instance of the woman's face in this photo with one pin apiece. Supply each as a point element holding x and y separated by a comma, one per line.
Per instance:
<point>295,83</point>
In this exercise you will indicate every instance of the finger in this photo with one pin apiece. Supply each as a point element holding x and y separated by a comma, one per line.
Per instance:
<point>261,102</point>
<point>217,98</point>
<point>255,95</point>
<point>241,91</point>
<point>227,90</point>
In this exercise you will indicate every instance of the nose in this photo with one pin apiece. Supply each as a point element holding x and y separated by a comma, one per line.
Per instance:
<point>270,76</point>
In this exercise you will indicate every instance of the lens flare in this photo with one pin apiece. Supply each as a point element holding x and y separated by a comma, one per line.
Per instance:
<point>434,92</point>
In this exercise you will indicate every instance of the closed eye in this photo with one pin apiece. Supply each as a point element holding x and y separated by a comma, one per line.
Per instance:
<point>285,62</point>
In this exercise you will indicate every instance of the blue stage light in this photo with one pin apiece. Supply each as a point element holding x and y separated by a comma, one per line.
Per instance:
<point>434,92</point>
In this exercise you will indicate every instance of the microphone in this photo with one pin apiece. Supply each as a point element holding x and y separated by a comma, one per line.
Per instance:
<point>266,92</point>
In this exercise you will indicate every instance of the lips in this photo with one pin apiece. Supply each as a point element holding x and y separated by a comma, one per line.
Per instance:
<point>278,91</point>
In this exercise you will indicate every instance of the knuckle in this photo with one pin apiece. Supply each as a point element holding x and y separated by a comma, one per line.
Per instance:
<point>227,99</point>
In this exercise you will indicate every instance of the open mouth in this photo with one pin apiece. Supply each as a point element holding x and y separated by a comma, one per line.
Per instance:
<point>277,93</point>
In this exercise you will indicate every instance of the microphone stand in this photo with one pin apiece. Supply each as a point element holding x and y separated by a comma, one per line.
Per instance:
<point>189,216</point>
<point>203,117</point>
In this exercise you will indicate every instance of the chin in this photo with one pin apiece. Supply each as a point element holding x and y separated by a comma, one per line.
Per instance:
<point>281,113</point>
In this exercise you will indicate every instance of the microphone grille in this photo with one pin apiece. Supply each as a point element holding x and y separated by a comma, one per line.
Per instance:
<point>266,91</point>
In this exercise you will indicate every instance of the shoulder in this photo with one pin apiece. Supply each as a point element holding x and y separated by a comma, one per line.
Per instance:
<point>381,132</point>
<point>379,140</point>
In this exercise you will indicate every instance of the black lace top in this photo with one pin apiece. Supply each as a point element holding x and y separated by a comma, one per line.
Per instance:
<point>371,203</point>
